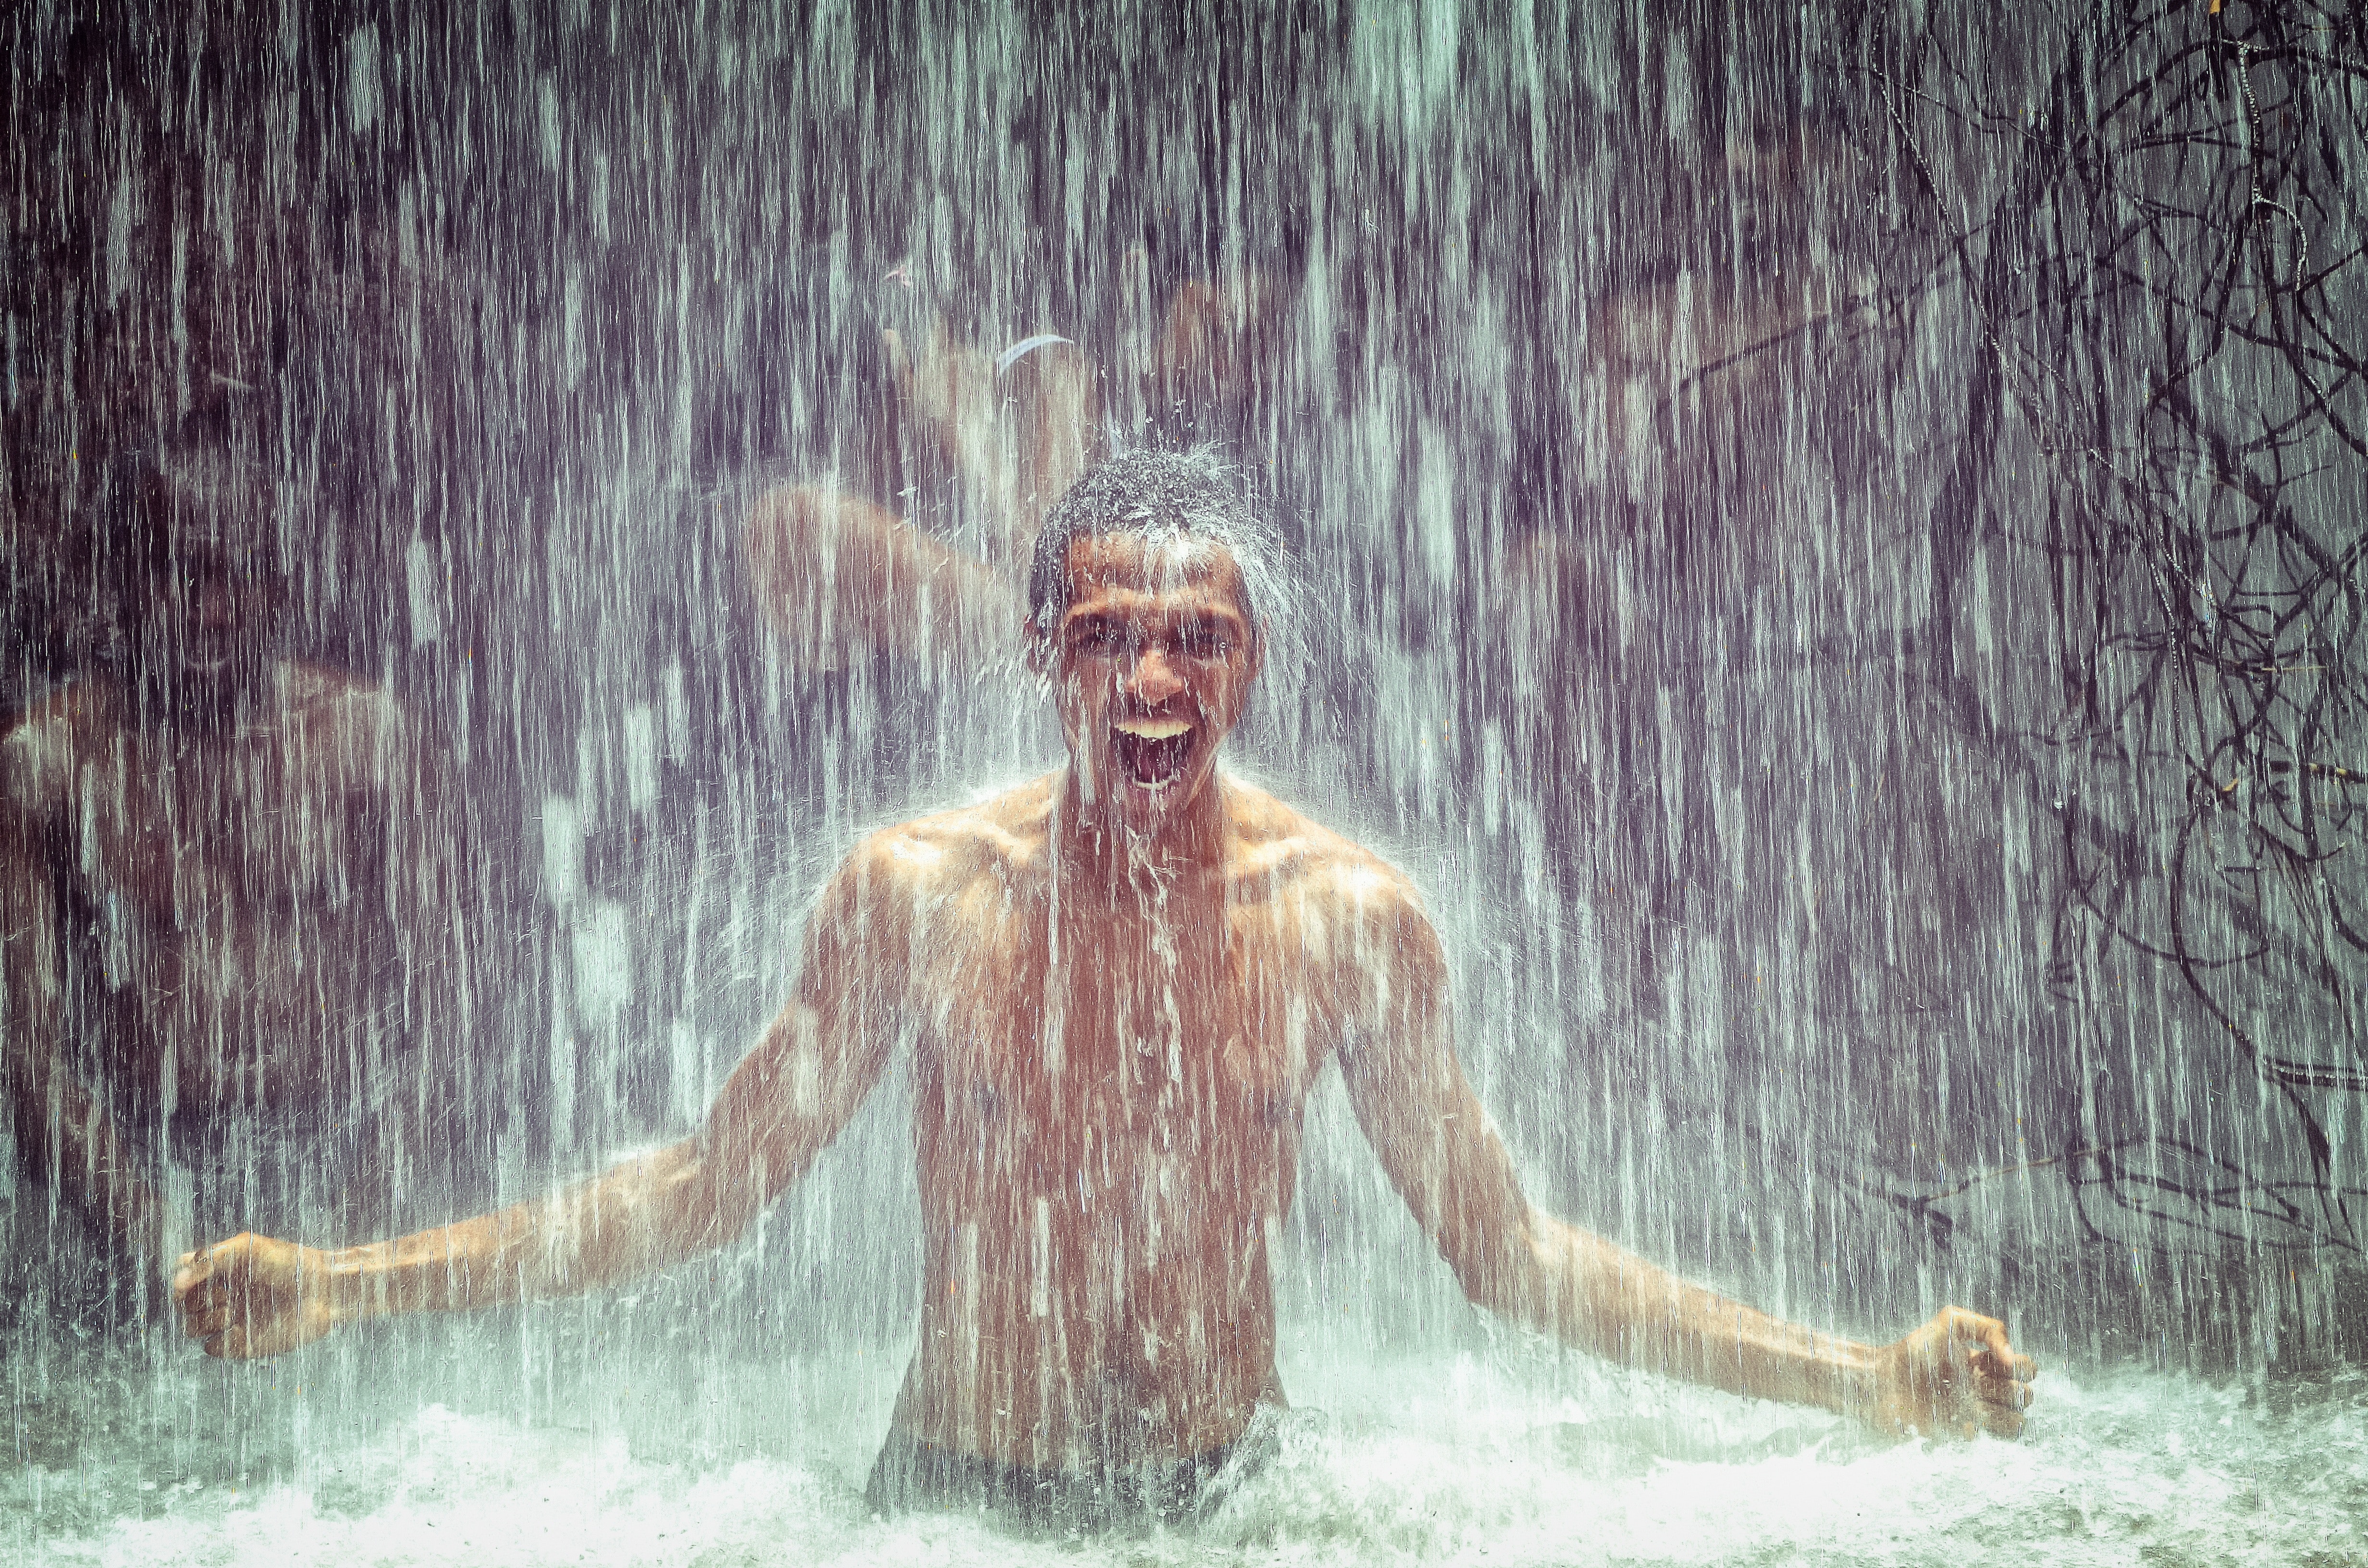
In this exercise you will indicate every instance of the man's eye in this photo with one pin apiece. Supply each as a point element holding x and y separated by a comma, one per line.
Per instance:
<point>1096,638</point>
<point>1203,642</point>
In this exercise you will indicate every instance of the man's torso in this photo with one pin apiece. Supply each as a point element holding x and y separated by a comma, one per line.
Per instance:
<point>1108,1092</point>
<point>224,896</point>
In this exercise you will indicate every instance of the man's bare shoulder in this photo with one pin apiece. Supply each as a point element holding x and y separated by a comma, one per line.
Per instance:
<point>1343,909</point>
<point>1277,842</point>
<point>1005,836</point>
<point>367,741</point>
<point>323,703</point>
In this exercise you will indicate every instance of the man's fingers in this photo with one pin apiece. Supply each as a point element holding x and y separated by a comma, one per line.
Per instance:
<point>2007,1391</point>
<point>1980,1330</point>
<point>207,1307</point>
<point>1988,1338</point>
<point>192,1271</point>
<point>1989,1363</point>
<point>229,1339</point>
<point>2005,1363</point>
<point>241,1298</point>
<point>203,1295</point>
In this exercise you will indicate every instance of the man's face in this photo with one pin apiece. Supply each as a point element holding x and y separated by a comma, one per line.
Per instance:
<point>1152,665</point>
<point>209,620</point>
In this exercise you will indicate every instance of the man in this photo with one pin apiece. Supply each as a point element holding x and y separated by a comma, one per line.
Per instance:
<point>1118,982</point>
<point>214,880</point>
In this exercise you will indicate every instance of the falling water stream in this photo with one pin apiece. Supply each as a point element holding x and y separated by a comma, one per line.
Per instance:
<point>1827,546</point>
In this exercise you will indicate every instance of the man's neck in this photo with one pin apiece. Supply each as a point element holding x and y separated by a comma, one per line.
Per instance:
<point>1098,851</point>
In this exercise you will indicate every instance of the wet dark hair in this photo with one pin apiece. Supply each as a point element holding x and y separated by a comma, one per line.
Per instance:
<point>1159,495</point>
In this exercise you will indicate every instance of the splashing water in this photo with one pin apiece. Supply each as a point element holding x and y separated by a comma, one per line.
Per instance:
<point>1488,1456</point>
<point>1827,547</point>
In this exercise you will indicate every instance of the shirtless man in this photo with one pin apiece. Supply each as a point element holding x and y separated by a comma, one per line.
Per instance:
<point>1118,982</point>
<point>212,885</point>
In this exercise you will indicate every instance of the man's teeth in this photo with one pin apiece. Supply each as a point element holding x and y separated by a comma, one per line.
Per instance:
<point>1153,729</point>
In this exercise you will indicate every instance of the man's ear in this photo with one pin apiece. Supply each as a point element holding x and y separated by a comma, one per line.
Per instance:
<point>1036,648</point>
<point>1257,649</point>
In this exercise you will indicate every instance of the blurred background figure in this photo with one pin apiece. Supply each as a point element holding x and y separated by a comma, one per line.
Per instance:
<point>234,865</point>
<point>964,430</point>
<point>1736,372</point>
<point>914,548</point>
<point>228,886</point>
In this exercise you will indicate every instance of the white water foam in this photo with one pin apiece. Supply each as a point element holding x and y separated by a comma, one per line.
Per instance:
<point>1515,1458</point>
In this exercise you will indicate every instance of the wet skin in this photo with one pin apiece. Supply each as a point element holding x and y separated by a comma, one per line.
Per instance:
<point>228,865</point>
<point>1121,982</point>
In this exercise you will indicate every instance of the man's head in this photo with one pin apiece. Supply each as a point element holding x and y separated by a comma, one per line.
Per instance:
<point>1143,604</point>
<point>201,591</point>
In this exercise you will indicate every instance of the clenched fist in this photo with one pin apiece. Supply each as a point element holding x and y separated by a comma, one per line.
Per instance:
<point>251,1296</point>
<point>1954,1375</point>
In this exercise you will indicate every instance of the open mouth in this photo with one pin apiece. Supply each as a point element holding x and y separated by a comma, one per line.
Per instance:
<point>1151,752</point>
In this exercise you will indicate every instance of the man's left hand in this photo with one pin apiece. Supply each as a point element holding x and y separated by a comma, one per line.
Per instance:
<point>1956,1375</point>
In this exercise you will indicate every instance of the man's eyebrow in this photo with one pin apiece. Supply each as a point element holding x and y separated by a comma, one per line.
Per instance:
<point>1214,614</point>
<point>1216,618</point>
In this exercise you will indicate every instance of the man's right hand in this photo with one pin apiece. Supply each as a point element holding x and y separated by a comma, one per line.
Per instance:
<point>251,1296</point>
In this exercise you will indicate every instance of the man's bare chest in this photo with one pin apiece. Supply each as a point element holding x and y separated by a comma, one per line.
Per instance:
<point>244,834</point>
<point>1106,1047</point>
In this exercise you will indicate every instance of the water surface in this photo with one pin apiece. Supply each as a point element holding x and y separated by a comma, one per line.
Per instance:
<point>1503,1454</point>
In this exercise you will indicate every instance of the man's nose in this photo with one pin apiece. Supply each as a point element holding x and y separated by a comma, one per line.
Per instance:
<point>217,606</point>
<point>1153,678</point>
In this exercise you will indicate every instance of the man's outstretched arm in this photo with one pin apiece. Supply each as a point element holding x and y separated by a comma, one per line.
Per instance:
<point>1955,1373</point>
<point>255,1296</point>
<point>841,578</point>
